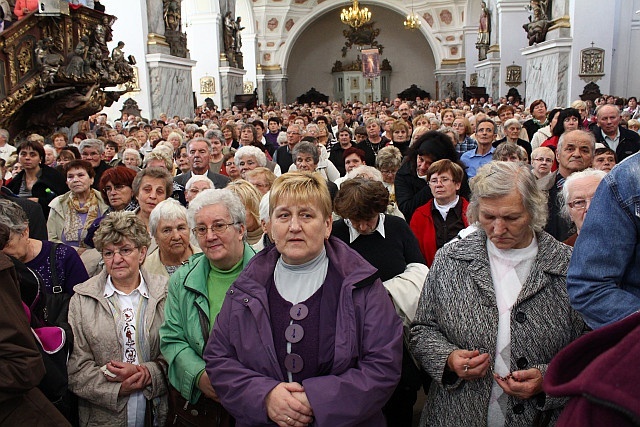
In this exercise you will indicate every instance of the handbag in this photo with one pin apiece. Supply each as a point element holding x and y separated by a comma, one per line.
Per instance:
<point>204,413</point>
<point>56,307</point>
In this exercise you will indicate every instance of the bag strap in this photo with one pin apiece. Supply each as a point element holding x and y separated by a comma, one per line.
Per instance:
<point>56,289</point>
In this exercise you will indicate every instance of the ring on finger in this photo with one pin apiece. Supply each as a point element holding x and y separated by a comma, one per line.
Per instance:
<point>466,367</point>
<point>288,420</point>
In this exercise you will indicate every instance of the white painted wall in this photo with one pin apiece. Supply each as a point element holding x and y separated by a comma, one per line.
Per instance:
<point>319,46</point>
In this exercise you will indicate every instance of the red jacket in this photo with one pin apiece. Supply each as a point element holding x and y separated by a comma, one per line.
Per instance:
<point>31,5</point>
<point>422,226</point>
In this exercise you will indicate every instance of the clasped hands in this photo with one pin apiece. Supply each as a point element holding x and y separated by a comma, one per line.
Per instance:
<point>471,365</point>
<point>288,405</point>
<point>131,377</point>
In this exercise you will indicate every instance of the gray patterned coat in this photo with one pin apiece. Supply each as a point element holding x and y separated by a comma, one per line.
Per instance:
<point>457,310</point>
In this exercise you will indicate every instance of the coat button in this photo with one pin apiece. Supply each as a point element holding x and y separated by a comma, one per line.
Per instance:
<point>518,409</point>
<point>521,317</point>
<point>230,291</point>
<point>522,363</point>
<point>194,412</point>
<point>245,300</point>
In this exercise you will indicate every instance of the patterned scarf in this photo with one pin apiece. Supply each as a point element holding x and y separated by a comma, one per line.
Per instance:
<point>74,228</point>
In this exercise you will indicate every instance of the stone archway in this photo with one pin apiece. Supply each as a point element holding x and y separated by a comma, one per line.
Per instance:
<point>311,52</point>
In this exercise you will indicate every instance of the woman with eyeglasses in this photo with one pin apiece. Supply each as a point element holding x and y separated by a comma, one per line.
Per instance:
<point>116,368</point>
<point>196,291</point>
<point>577,193</point>
<point>443,217</point>
<point>541,161</point>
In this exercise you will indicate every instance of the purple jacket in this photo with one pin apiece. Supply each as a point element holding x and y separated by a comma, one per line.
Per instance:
<point>243,367</point>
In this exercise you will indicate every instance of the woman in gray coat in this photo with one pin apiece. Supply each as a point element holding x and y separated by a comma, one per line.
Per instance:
<point>494,310</point>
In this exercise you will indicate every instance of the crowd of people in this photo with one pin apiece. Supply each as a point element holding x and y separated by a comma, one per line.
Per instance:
<point>319,264</point>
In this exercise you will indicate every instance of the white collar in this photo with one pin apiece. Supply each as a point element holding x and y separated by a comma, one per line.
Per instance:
<point>353,233</point>
<point>109,289</point>
<point>605,136</point>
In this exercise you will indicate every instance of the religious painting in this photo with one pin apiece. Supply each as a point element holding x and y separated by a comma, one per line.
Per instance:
<point>591,63</point>
<point>207,85</point>
<point>355,83</point>
<point>370,63</point>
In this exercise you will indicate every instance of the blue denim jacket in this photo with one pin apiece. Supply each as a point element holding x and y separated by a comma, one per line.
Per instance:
<point>604,274</point>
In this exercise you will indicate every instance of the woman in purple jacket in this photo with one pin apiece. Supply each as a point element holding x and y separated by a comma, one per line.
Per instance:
<point>307,335</point>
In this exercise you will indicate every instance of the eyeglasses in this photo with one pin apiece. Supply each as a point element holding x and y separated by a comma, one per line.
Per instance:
<point>217,229</point>
<point>544,159</point>
<point>229,164</point>
<point>118,187</point>
<point>442,180</point>
<point>124,252</point>
<point>579,204</point>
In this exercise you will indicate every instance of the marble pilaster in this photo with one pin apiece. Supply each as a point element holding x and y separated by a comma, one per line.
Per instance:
<point>512,15</point>
<point>170,85</point>
<point>231,80</point>
<point>489,76</point>
<point>547,72</point>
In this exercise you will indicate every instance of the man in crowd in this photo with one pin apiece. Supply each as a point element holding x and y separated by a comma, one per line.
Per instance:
<point>199,151</point>
<point>282,155</point>
<point>574,154</point>
<point>609,132</point>
<point>474,159</point>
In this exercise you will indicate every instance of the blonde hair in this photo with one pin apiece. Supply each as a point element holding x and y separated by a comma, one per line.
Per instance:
<point>249,195</point>
<point>301,187</point>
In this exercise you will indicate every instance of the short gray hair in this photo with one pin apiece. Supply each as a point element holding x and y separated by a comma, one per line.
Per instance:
<point>566,188</point>
<point>584,133</point>
<point>305,147</point>
<point>250,151</point>
<point>192,140</point>
<point>198,178</point>
<point>222,196</point>
<point>168,210</point>
<point>512,122</point>
<point>214,134</point>
<point>499,179</point>
<point>153,173</point>
<point>12,215</point>
<point>132,151</point>
<point>5,134</point>
<point>92,143</point>
<point>364,171</point>
<point>120,225</point>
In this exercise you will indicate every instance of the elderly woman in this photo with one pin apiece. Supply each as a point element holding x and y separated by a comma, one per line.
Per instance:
<point>388,162</point>
<point>511,134</point>
<point>509,152</point>
<point>336,155</point>
<point>91,150</point>
<point>248,158</point>
<point>277,352</point>
<point>36,181</point>
<point>195,185</point>
<point>250,198</point>
<point>465,142</point>
<point>50,156</point>
<point>261,178</point>
<point>59,140</point>
<point>116,368</point>
<point>443,217</point>
<point>412,188</point>
<point>400,136</point>
<point>307,158</point>
<point>150,187</point>
<point>494,309</point>
<point>132,159</point>
<point>388,244</point>
<point>230,134</point>
<point>229,167</point>
<point>577,193</point>
<point>175,138</point>
<point>59,265</point>
<point>196,292</point>
<point>72,213</point>
<point>168,225</point>
<point>541,161</point>
<point>181,157</point>
<point>322,164</point>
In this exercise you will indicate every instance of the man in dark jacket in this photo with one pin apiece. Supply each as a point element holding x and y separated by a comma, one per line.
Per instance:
<point>609,132</point>
<point>91,150</point>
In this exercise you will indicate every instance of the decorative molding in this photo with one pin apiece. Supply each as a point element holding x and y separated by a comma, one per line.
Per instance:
<point>561,22</point>
<point>157,39</point>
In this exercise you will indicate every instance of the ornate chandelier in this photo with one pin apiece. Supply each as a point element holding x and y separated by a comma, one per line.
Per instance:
<point>355,17</point>
<point>412,22</point>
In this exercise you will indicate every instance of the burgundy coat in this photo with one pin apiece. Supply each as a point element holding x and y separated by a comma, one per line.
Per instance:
<point>599,371</point>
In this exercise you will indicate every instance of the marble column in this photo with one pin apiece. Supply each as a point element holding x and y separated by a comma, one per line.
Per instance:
<point>548,72</point>
<point>171,88</point>
<point>511,38</point>
<point>449,80</point>
<point>231,80</point>
<point>489,76</point>
<point>155,23</point>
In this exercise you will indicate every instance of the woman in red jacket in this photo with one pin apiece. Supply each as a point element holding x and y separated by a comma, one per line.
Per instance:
<point>24,7</point>
<point>441,218</point>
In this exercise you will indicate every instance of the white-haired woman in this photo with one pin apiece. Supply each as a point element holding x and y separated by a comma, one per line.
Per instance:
<point>494,309</point>
<point>196,292</point>
<point>195,185</point>
<point>249,157</point>
<point>577,193</point>
<point>168,225</point>
<point>132,159</point>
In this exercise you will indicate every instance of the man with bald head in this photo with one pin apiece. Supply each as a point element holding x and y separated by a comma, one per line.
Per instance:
<point>609,132</point>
